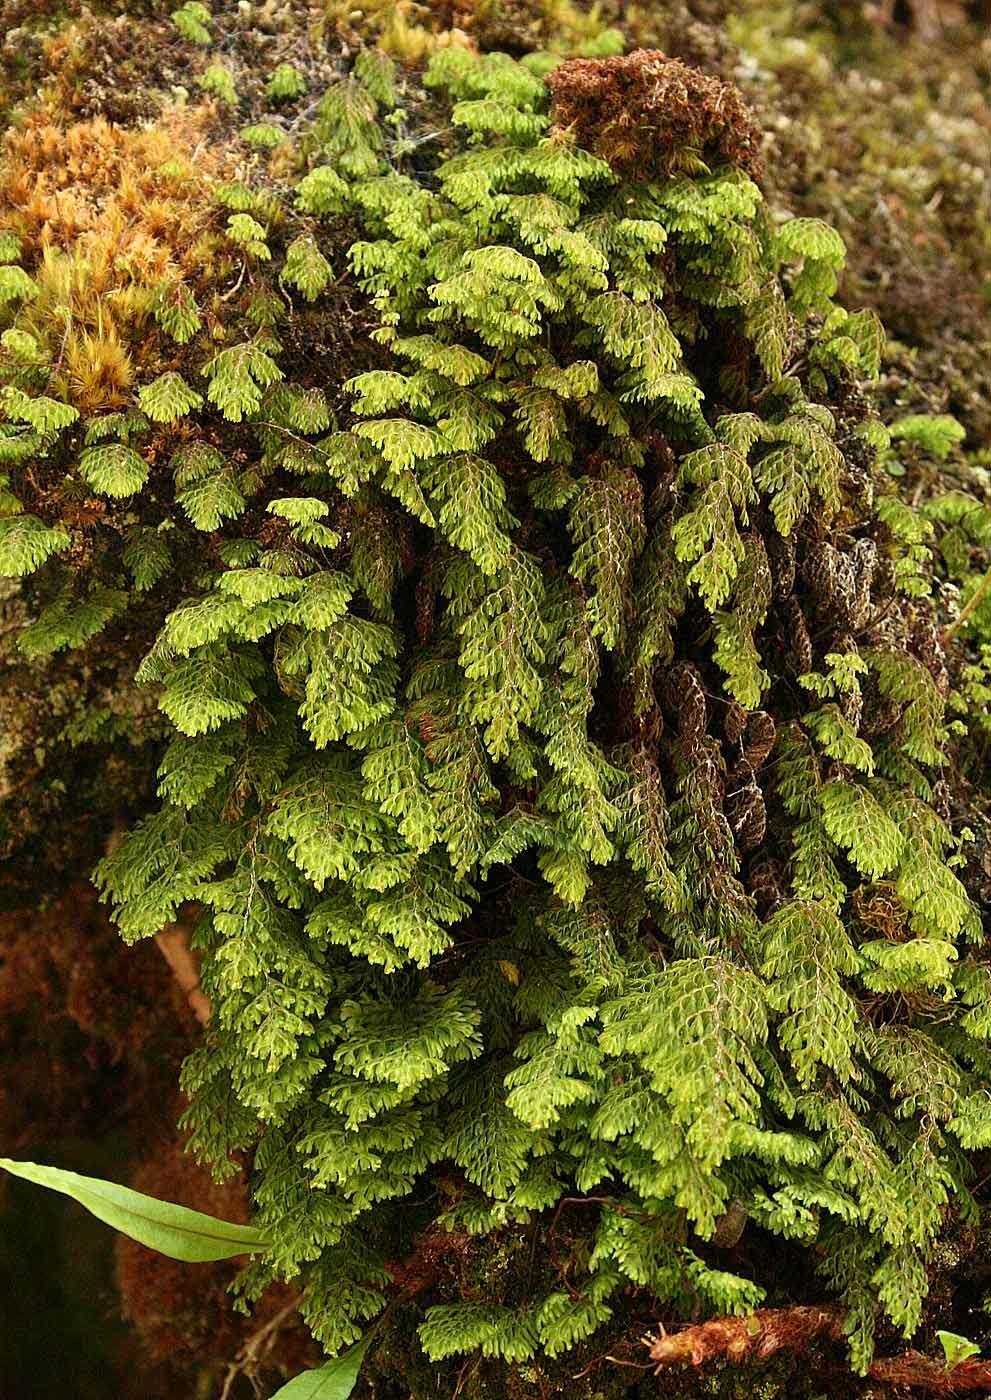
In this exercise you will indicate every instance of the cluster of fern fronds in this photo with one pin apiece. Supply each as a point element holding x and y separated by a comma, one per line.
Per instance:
<point>557,730</point>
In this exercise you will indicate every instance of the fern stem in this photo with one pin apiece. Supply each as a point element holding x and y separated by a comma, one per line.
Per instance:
<point>976,596</point>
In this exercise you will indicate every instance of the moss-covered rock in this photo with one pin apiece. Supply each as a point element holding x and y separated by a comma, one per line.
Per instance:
<point>144,167</point>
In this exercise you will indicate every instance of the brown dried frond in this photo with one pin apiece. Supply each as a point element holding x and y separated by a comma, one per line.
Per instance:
<point>759,740</point>
<point>761,1334</point>
<point>767,882</point>
<point>797,657</point>
<point>879,908</point>
<point>840,580</point>
<point>735,722</point>
<point>683,693</point>
<point>650,116</point>
<point>747,815</point>
<point>770,1330</point>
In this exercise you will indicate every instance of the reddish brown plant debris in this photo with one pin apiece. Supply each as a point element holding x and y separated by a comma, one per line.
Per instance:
<point>173,944</point>
<point>790,1329</point>
<point>184,1313</point>
<point>435,1254</point>
<point>761,1334</point>
<point>931,1375</point>
<point>649,115</point>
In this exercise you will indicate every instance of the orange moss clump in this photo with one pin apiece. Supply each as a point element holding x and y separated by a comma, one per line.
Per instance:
<point>106,216</point>
<point>137,199</point>
<point>650,116</point>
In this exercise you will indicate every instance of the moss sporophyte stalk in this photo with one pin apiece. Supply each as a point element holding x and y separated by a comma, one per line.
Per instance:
<point>552,716</point>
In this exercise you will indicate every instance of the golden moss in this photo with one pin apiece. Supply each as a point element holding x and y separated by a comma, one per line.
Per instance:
<point>107,215</point>
<point>120,198</point>
<point>409,32</point>
<point>100,370</point>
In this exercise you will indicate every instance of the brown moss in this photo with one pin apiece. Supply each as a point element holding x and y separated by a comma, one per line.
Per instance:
<point>106,216</point>
<point>179,1309</point>
<point>649,115</point>
<point>102,190</point>
<point>120,68</point>
<point>184,1313</point>
<point>91,1032</point>
<point>91,1036</point>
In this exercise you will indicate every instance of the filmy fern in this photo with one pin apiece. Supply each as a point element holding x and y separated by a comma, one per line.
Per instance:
<point>519,767</point>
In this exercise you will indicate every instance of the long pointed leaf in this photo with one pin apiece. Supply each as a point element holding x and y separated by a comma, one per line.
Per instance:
<point>180,1233</point>
<point>334,1381</point>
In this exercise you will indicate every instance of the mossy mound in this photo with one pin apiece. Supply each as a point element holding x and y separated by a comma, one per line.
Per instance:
<point>392,433</point>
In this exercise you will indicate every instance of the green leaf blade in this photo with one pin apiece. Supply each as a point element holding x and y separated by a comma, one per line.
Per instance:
<point>176,1231</point>
<point>334,1381</point>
